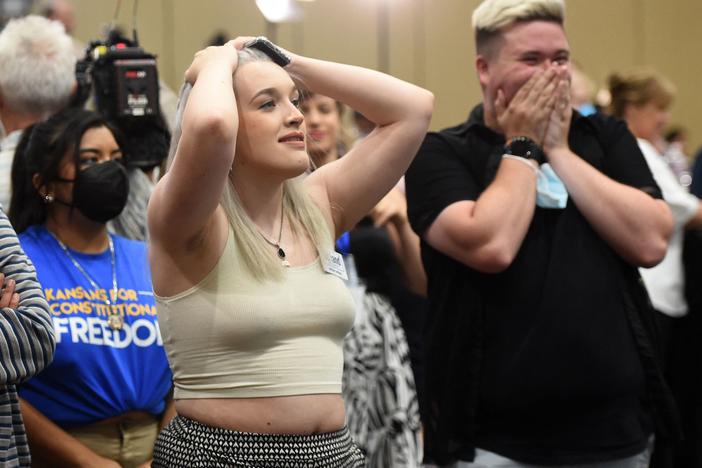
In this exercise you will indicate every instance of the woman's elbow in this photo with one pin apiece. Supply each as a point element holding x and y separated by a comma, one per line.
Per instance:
<point>425,105</point>
<point>215,124</point>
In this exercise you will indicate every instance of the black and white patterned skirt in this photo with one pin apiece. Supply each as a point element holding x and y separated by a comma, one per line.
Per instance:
<point>187,443</point>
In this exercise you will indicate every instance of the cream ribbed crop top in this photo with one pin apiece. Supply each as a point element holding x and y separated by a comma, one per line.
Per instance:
<point>233,337</point>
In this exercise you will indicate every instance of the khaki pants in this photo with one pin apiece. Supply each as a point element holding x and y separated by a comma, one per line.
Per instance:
<point>130,443</point>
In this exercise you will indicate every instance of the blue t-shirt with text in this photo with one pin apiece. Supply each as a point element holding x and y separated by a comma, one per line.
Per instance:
<point>97,372</point>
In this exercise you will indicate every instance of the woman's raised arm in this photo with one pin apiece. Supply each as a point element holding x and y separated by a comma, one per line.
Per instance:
<point>401,111</point>
<point>189,193</point>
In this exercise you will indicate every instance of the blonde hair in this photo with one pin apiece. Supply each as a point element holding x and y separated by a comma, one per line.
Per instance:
<point>304,216</point>
<point>637,88</point>
<point>493,15</point>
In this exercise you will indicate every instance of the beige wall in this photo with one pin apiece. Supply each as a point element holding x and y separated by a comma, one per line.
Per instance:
<point>430,43</point>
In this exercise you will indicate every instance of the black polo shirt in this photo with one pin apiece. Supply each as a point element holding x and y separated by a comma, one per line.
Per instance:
<point>550,361</point>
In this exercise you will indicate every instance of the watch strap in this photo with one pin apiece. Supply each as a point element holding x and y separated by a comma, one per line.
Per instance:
<point>271,50</point>
<point>524,147</point>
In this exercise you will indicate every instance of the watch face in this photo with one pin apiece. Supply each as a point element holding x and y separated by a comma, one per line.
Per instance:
<point>524,147</point>
<point>521,147</point>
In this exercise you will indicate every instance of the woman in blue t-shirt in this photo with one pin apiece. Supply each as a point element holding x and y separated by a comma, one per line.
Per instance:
<point>101,401</point>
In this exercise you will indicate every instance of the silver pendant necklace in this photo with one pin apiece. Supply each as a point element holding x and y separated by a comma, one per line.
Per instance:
<point>114,320</point>
<point>281,252</point>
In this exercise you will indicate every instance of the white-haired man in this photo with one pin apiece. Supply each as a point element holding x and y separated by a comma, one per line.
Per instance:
<point>533,220</point>
<point>37,79</point>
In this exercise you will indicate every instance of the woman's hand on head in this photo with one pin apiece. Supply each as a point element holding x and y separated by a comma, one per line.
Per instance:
<point>226,54</point>
<point>241,41</point>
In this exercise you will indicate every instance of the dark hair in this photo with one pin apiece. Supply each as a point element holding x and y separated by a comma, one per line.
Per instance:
<point>219,38</point>
<point>41,150</point>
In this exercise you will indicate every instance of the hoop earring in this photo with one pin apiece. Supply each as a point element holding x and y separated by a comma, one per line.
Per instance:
<point>48,198</point>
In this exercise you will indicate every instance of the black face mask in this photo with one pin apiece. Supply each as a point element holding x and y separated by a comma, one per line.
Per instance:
<point>100,192</point>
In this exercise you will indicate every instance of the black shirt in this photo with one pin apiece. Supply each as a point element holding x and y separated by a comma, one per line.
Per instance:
<point>550,361</point>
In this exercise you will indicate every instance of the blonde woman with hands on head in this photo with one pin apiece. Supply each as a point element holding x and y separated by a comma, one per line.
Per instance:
<point>251,302</point>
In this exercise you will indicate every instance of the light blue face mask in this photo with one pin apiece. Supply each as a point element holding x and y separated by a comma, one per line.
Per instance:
<point>587,109</point>
<point>550,191</point>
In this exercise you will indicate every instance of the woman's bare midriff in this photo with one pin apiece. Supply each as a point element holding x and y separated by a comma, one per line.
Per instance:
<point>299,414</point>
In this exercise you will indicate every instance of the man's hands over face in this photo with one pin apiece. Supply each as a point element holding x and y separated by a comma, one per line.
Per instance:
<point>540,109</point>
<point>556,136</point>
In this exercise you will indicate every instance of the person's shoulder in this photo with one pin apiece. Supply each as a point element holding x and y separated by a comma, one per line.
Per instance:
<point>458,132</point>
<point>32,236</point>
<point>599,122</point>
<point>34,243</point>
<point>450,138</point>
<point>611,132</point>
<point>454,131</point>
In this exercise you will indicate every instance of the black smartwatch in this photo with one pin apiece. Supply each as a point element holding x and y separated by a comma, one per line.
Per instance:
<point>271,50</point>
<point>525,147</point>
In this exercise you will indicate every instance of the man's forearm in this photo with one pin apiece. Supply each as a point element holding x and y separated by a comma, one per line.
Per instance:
<point>488,233</point>
<point>506,207</point>
<point>633,223</point>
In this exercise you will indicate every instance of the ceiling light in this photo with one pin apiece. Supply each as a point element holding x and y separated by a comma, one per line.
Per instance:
<point>279,11</point>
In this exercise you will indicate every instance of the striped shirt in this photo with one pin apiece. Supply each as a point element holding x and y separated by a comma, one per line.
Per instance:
<point>26,344</point>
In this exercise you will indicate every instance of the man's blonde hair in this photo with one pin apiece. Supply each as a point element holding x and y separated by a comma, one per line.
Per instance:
<point>492,16</point>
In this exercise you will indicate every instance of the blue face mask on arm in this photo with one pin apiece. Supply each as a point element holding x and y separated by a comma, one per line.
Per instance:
<point>550,191</point>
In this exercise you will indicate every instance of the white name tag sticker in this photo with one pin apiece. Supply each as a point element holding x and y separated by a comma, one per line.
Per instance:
<point>334,265</point>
